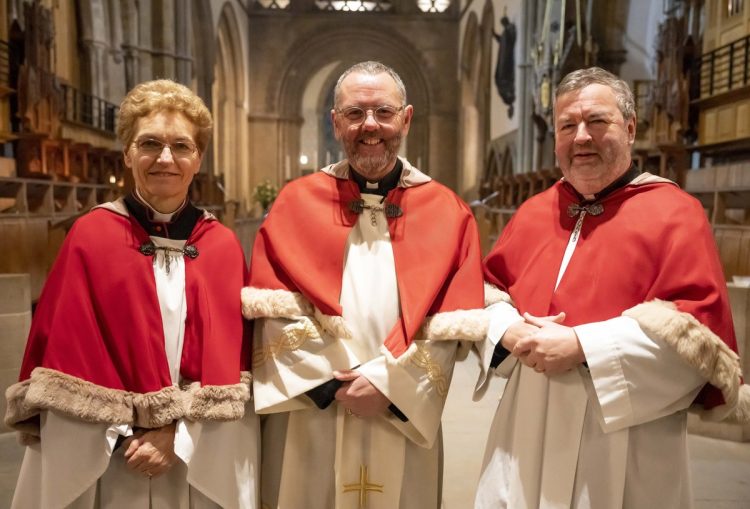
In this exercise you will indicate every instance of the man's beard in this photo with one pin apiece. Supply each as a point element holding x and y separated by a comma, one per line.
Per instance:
<point>373,165</point>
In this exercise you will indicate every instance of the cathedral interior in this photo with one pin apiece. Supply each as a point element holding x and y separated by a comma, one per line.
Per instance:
<point>481,75</point>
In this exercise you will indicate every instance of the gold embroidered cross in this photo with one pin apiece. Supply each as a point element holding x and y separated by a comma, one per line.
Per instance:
<point>363,487</point>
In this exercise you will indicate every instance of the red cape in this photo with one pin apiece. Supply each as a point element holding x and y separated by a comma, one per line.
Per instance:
<point>651,242</point>
<point>300,248</point>
<point>98,316</point>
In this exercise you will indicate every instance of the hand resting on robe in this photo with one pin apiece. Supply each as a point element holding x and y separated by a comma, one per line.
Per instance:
<point>151,452</point>
<point>359,395</point>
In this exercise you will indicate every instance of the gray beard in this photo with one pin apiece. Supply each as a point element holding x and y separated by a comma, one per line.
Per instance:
<point>374,165</point>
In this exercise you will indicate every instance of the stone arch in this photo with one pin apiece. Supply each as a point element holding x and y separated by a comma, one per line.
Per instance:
<point>363,42</point>
<point>228,106</point>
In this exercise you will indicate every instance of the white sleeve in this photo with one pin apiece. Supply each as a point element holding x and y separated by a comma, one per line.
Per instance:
<point>417,383</point>
<point>636,378</point>
<point>290,357</point>
<point>502,316</point>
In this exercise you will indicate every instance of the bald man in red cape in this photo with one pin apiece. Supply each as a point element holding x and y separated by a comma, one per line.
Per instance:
<point>617,319</point>
<point>362,278</point>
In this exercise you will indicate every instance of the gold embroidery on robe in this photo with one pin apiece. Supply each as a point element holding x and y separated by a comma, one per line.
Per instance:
<point>422,359</point>
<point>292,337</point>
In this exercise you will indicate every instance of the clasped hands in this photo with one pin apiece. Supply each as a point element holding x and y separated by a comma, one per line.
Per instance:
<point>358,395</point>
<point>544,344</point>
<point>151,452</point>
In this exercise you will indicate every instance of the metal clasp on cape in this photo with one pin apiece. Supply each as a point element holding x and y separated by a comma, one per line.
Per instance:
<point>390,209</point>
<point>149,249</point>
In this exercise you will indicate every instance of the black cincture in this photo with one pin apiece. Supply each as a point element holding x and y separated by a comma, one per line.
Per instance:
<point>149,249</point>
<point>593,209</point>
<point>390,209</point>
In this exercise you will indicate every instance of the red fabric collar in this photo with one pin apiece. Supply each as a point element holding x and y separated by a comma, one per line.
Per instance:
<point>300,248</point>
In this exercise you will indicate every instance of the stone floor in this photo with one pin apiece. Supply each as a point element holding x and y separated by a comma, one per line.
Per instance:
<point>721,469</point>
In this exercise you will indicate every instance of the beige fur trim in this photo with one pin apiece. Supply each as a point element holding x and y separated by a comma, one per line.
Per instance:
<point>697,345</point>
<point>462,324</point>
<point>217,403</point>
<point>493,295</point>
<point>334,325</point>
<point>48,389</point>
<point>264,303</point>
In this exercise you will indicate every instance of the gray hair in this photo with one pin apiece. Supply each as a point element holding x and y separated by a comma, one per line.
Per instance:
<point>582,78</point>
<point>371,68</point>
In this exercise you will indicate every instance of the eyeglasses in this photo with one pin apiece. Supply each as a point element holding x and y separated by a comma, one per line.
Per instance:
<point>382,114</point>
<point>152,147</point>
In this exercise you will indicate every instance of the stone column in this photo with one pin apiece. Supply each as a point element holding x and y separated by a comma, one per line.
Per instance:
<point>15,321</point>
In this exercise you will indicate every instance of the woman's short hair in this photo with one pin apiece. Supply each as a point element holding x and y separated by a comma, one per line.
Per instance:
<point>582,78</point>
<point>163,95</point>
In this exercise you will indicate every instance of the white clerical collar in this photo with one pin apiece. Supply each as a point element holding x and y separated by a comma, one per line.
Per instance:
<point>156,216</point>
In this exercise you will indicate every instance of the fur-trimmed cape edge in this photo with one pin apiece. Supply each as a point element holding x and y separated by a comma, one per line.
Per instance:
<point>49,389</point>
<point>698,346</point>
<point>461,324</point>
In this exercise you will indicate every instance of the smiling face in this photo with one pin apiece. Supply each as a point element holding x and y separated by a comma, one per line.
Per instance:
<point>163,180</point>
<point>370,146</point>
<point>592,139</point>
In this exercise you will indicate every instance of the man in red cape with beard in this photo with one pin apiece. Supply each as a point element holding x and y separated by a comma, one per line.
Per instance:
<point>363,276</point>
<point>618,320</point>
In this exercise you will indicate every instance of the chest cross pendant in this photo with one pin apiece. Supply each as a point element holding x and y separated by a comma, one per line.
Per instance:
<point>363,487</point>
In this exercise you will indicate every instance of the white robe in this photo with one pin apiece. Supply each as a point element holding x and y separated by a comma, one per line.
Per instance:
<point>74,464</point>
<point>613,435</point>
<point>316,459</point>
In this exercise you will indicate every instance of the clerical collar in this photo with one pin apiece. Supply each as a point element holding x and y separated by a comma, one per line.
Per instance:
<point>383,186</point>
<point>595,206</point>
<point>182,222</point>
<point>622,181</point>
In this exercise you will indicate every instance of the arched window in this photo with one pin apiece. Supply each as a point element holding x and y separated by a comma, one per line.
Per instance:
<point>274,4</point>
<point>354,5</point>
<point>433,5</point>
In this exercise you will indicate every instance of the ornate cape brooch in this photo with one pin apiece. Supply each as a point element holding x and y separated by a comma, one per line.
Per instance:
<point>593,209</point>
<point>390,209</point>
<point>149,249</point>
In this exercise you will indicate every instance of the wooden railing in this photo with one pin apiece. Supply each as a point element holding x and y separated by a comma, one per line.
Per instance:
<point>725,69</point>
<point>5,65</point>
<point>89,110</point>
<point>23,197</point>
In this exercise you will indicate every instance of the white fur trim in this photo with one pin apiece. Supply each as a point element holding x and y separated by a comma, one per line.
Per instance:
<point>462,324</point>
<point>264,303</point>
<point>697,345</point>
<point>493,295</point>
